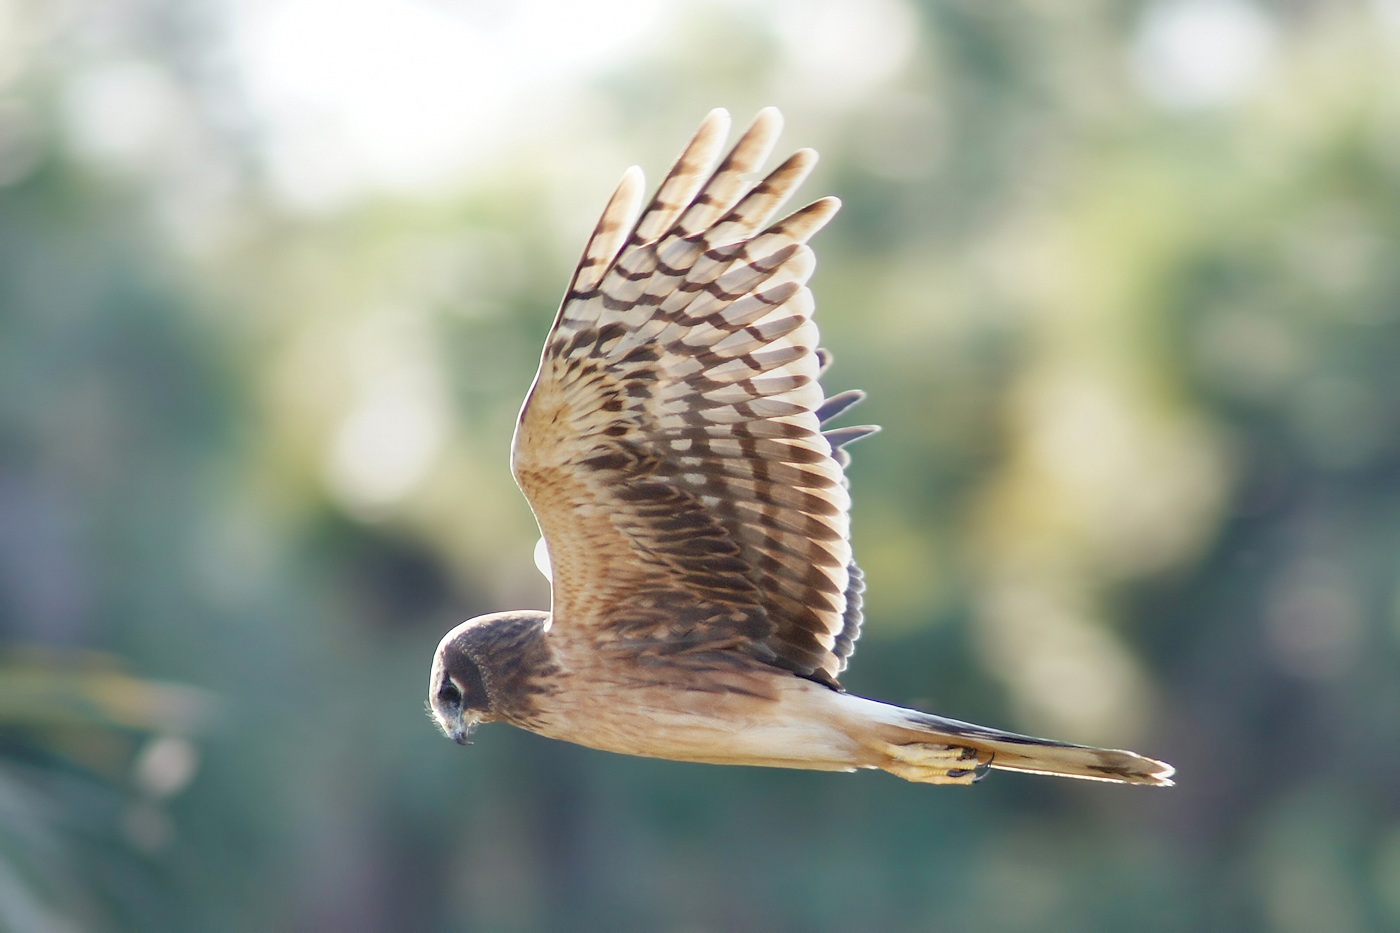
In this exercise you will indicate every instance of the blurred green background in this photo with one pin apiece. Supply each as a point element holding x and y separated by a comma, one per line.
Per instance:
<point>1121,279</point>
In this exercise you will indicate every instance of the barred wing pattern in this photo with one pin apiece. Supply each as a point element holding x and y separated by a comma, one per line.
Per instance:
<point>672,447</point>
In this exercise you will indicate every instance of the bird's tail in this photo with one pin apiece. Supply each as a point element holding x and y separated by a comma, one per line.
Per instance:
<point>922,747</point>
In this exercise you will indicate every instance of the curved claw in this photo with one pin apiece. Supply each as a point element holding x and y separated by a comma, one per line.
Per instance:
<point>981,770</point>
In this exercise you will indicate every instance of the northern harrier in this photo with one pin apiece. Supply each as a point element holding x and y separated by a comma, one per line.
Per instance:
<point>695,512</point>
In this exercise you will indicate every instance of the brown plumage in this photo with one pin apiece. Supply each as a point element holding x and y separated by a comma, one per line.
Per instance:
<point>696,515</point>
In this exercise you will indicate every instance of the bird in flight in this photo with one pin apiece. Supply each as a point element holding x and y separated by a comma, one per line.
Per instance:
<point>694,508</point>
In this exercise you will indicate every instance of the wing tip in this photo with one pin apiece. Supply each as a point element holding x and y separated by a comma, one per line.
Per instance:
<point>769,119</point>
<point>610,234</point>
<point>716,124</point>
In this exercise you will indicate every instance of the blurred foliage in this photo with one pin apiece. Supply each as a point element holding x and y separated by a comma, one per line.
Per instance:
<point>1131,322</point>
<point>88,755</point>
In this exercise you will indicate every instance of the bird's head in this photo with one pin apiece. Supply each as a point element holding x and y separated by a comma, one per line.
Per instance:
<point>466,688</point>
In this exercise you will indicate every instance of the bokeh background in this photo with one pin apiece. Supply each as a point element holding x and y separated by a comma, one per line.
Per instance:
<point>1121,279</point>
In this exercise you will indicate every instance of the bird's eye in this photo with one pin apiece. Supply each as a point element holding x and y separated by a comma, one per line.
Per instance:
<point>448,694</point>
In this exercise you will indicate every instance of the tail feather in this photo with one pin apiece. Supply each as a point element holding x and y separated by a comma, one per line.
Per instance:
<point>927,748</point>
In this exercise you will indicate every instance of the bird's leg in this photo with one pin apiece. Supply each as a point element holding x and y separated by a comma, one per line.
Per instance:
<point>932,763</point>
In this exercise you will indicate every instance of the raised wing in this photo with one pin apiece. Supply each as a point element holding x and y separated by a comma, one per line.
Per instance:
<point>671,445</point>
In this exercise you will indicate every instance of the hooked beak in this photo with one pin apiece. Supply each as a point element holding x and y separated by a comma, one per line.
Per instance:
<point>461,730</point>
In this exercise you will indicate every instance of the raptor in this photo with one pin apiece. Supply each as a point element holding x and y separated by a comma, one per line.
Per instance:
<point>676,451</point>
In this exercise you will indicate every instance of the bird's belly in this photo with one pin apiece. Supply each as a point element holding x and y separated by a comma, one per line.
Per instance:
<point>792,728</point>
